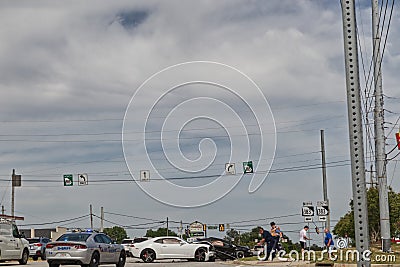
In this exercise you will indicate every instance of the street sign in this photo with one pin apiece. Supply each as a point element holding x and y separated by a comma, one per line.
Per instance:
<point>322,218</point>
<point>144,175</point>
<point>322,210</point>
<point>308,219</point>
<point>212,227</point>
<point>196,227</point>
<point>68,180</point>
<point>248,167</point>
<point>83,179</point>
<point>230,168</point>
<point>16,180</point>
<point>307,211</point>
<point>322,203</point>
<point>221,227</point>
<point>307,203</point>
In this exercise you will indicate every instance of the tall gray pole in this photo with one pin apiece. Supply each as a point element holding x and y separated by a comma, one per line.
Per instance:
<point>91,216</point>
<point>380,154</point>
<point>101,219</point>
<point>12,193</point>
<point>355,130</point>
<point>324,183</point>
<point>167,227</point>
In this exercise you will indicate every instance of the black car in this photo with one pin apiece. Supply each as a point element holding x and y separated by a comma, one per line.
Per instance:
<point>225,250</point>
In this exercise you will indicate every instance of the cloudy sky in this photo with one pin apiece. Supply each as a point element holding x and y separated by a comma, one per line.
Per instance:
<point>110,88</point>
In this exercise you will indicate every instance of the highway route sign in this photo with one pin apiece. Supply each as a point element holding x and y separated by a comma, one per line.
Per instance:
<point>307,211</point>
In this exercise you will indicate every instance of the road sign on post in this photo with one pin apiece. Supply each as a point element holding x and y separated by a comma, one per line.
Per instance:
<point>307,211</point>
<point>322,208</point>
<point>68,179</point>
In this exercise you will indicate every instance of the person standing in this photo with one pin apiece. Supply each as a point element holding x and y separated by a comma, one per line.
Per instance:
<point>328,240</point>
<point>276,235</point>
<point>304,238</point>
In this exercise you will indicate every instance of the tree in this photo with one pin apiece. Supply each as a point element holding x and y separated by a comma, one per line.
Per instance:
<point>346,223</point>
<point>160,232</point>
<point>233,236</point>
<point>117,233</point>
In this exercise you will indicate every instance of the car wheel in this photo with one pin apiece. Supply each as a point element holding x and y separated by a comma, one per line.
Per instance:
<point>24,258</point>
<point>35,258</point>
<point>240,254</point>
<point>148,255</point>
<point>200,254</point>
<point>94,261</point>
<point>121,259</point>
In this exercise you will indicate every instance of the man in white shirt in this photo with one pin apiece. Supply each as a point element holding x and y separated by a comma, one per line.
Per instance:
<point>304,238</point>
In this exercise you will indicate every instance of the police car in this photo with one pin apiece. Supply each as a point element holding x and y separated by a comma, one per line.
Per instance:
<point>85,248</point>
<point>12,245</point>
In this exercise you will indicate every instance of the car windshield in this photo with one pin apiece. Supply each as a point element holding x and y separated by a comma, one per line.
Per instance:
<point>33,240</point>
<point>74,237</point>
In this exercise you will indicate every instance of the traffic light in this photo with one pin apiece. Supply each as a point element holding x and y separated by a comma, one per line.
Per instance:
<point>221,227</point>
<point>204,227</point>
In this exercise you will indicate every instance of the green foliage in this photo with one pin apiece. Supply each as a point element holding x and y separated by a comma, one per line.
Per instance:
<point>346,223</point>
<point>116,233</point>
<point>234,235</point>
<point>160,232</point>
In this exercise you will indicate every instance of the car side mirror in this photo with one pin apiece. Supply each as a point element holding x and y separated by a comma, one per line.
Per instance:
<point>182,243</point>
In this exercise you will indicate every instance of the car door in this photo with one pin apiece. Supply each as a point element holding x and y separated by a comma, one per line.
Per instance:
<point>104,248</point>
<point>12,242</point>
<point>175,248</point>
<point>113,249</point>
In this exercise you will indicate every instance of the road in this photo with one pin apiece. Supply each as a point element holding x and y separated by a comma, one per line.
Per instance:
<point>131,263</point>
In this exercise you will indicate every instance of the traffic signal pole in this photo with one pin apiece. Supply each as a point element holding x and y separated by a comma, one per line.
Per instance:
<point>355,130</point>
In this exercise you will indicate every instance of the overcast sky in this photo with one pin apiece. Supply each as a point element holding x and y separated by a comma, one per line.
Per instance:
<point>70,72</point>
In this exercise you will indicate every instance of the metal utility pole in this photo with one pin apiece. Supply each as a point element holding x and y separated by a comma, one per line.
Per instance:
<point>101,219</point>
<point>91,216</point>
<point>167,226</point>
<point>355,130</point>
<point>12,193</point>
<point>380,154</point>
<point>324,183</point>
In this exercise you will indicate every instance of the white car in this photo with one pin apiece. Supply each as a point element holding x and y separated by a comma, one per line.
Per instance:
<point>12,245</point>
<point>170,247</point>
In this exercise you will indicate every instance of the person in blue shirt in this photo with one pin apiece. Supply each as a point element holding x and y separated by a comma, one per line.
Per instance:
<point>266,238</point>
<point>328,240</point>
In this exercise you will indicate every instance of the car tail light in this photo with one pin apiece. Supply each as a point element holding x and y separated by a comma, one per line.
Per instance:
<point>80,246</point>
<point>49,246</point>
<point>38,244</point>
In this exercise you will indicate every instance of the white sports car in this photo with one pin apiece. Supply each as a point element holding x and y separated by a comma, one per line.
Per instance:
<point>170,247</point>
